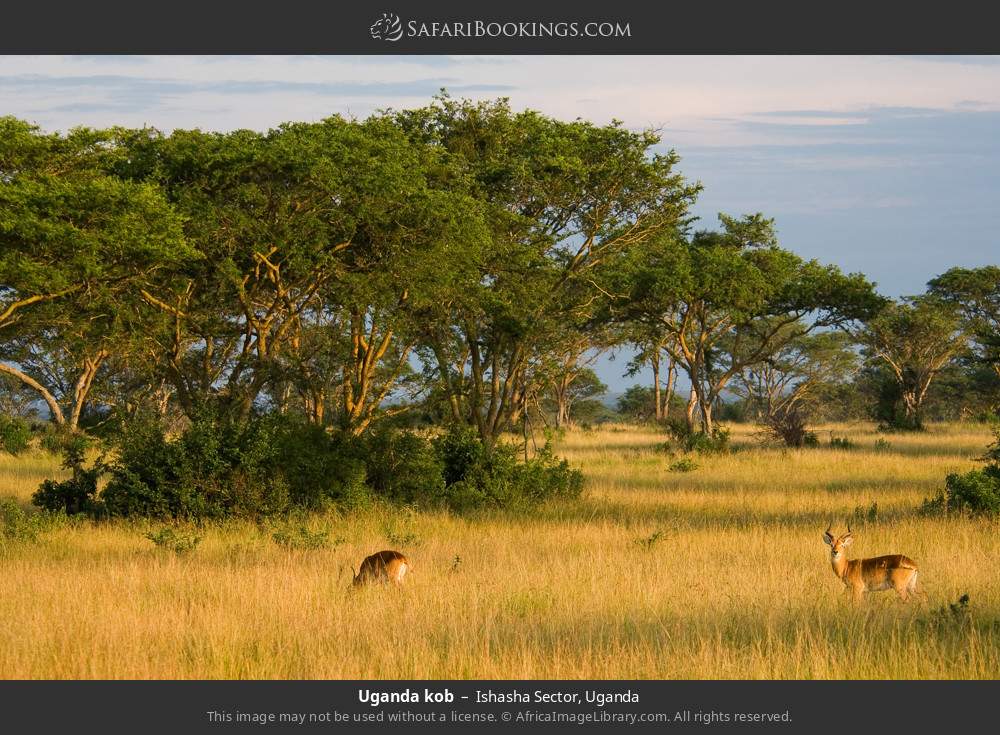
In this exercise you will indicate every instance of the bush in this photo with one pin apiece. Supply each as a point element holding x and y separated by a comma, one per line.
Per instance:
<point>789,426</point>
<point>498,478</point>
<point>212,470</point>
<point>18,525</point>
<point>78,493</point>
<point>690,440</point>
<point>15,434</point>
<point>404,467</point>
<point>171,540</point>
<point>975,493</point>
<point>684,464</point>
<point>866,514</point>
<point>321,469</point>
<point>275,464</point>
<point>301,538</point>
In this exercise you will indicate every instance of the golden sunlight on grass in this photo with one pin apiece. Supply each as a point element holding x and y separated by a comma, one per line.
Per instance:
<point>719,572</point>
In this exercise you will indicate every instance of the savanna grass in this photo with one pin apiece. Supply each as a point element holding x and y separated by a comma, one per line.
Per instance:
<point>737,585</point>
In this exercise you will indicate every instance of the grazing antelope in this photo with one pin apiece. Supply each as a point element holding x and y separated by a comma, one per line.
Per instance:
<point>895,571</point>
<point>385,566</point>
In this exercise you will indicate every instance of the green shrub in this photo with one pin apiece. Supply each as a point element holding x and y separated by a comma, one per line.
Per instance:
<point>212,469</point>
<point>975,493</point>
<point>476,478</point>
<point>78,493</point>
<point>321,469</point>
<point>404,467</point>
<point>460,450</point>
<point>271,465</point>
<point>171,540</point>
<point>684,464</point>
<point>15,434</point>
<point>691,440</point>
<point>18,525</point>
<point>301,538</point>
<point>54,438</point>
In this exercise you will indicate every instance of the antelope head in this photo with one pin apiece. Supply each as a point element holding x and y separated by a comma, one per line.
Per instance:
<point>837,544</point>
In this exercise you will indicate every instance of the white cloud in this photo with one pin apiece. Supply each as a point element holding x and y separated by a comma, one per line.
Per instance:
<point>701,99</point>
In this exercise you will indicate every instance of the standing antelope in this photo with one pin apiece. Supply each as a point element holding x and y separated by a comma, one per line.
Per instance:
<point>871,575</point>
<point>385,566</point>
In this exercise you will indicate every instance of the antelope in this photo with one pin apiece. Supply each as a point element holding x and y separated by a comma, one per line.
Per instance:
<point>385,566</point>
<point>871,575</point>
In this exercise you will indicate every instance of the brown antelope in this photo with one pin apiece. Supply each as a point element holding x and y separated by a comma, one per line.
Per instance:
<point>385,566</point>
<point>895,571</point>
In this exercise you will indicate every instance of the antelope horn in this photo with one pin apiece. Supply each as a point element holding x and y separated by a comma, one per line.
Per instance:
<point>848,528</point>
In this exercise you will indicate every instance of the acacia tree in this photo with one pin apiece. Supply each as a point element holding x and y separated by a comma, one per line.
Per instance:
<point>76,242</point>
<point>976,294</point>
<point>724,301</point>
<point>561,198</point>
<point>915,339</point>
<point>784,389</point>
<point>303,228</point>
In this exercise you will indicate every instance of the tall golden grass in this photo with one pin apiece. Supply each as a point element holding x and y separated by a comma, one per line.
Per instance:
<point>720,572</point>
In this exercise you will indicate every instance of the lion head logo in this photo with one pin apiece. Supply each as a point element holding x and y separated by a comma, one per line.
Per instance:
<point>387,28</point>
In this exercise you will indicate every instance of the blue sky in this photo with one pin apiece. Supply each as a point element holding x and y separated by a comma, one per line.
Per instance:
<point>886,165</point>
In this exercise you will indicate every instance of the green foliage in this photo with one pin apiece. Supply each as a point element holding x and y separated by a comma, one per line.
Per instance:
<point>274,464</point>
<point>212,469</point>
<point>171,540</point>
<point>913,341</point>
<point>320,469</point>
<point>18,525</point>
<point>975,493</point>
<point>694,440</point>
<point>684,464</point>
<point>78,493</point>
<point>15,434</point>
<point>56,439</point>
<point>637,403</point>
<point>302,538</point>
<point>497,478</point>
<point>404,467</point>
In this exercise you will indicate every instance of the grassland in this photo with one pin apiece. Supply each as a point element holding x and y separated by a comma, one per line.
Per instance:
<point>715,573</point>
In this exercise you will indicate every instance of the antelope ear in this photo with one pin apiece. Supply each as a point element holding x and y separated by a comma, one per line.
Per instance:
<point>828,538</point>
<point>847,540</point>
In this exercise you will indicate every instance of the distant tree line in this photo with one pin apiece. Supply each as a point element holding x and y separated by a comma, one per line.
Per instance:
<point>461,264</point>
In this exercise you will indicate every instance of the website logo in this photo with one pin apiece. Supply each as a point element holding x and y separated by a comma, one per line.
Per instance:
<point>387,28</point>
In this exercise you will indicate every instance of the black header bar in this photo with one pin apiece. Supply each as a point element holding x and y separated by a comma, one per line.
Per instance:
<point>508,27</point>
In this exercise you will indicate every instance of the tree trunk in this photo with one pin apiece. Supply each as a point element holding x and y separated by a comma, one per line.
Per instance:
<point>671,381</point>
<point>50,400</point>
<point>83,385</point>
<point>691,405</point>
<point>658,408</point>
<point>706,417</point>
<point>562,401</point>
